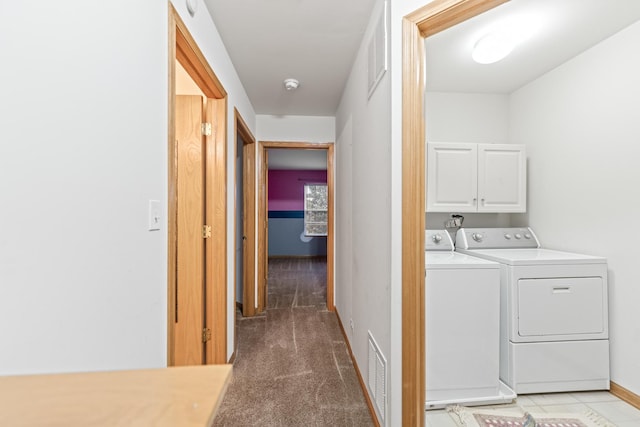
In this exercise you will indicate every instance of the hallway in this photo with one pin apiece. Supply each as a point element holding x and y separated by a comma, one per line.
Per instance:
<point>292,365</point>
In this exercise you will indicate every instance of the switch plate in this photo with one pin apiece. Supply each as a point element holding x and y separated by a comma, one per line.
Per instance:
<point>154,215</point>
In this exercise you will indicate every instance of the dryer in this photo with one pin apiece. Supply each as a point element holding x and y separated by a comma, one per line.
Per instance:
<point>462,303</point>
<point>554,330</point>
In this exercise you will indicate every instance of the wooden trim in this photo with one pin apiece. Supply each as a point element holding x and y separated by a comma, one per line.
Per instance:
<point>249,174</point>
<point>216,246</point>
<point>627,395</point>
<point>183,48</point>
<point>428,20</point>
<point>172,225</point>
<point>330,228</point>
<point>192,59</point>
<point>413,222</point>
<point>240,128</point>
<point>263,233</point>
<point>262,214</point>
<point>243,129</point>
<point>372,411</point>
<point>439,15</point>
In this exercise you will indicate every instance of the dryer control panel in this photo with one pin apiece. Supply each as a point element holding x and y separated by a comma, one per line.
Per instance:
<point>496,238</point>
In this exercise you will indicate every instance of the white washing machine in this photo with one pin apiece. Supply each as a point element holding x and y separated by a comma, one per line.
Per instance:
<point>554,333</point>
<point>462,316</point>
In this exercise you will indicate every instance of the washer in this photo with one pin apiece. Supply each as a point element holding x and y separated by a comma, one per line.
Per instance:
<point>462,305</point>
<point>554,333</point>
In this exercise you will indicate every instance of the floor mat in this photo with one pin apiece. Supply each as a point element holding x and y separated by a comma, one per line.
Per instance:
<point>516,417</point>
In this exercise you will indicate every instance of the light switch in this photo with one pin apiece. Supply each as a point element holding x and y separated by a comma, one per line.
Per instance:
<point>154,215</point>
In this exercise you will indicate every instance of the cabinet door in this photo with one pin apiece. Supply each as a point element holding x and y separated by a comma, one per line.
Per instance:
<point>502,178</point>
<point>452,173</point>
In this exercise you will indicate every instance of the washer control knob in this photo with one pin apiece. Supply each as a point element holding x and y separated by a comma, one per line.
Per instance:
<point>527,235</point>
<point>477,237</point>
<point>436,238</point>
<point>518,236</point>
<point>507,236</point>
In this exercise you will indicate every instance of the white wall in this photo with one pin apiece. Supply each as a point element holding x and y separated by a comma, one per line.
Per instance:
<point>467,117</point>
<point>295,128</point>
<point>83,121</point>
<point>580,124</point>
<point>368,290</point>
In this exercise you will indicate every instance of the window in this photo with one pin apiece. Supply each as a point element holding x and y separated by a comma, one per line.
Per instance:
<point>315,209</point>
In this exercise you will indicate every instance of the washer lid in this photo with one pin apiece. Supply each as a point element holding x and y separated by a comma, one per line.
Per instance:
<point>534,256</point>
<point>455,260</point>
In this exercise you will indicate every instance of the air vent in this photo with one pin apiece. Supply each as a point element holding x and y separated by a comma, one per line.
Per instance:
<point>377,378</point>
<point>377,51</point>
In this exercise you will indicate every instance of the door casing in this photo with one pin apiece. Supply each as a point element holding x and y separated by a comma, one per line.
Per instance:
<point>263,217</point>
<point>424,22</point>
<point>183,48</point>
<point>249,214</point>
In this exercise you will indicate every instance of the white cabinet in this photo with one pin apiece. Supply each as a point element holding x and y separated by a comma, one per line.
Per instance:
<point>467,177</point>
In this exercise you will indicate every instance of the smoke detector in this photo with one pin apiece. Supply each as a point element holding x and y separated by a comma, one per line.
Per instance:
<point>291,84</point>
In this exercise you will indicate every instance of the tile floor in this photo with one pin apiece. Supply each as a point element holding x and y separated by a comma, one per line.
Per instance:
<point>608,406</point>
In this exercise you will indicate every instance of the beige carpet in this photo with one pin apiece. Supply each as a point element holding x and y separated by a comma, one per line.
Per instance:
<point>292,367</point>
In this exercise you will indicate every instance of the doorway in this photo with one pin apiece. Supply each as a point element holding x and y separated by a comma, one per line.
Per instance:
<point>262,220</point>
<point>197,253</point>
<point>424,22</point>
<point>245,144</point>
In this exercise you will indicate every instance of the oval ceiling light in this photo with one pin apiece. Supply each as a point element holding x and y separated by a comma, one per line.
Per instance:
<point>492,48</point>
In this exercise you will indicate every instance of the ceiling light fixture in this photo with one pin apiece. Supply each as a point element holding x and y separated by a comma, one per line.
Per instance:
<point>492,48</point>
<point>291,84</point>
<point>501,38</point>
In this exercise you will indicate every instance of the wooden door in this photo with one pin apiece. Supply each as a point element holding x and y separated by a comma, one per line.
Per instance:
<point>248,232</point>
<point>189,319</point>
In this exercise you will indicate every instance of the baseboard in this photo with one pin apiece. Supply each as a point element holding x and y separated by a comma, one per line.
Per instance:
<point>374,417</point>
<point>627,395</point>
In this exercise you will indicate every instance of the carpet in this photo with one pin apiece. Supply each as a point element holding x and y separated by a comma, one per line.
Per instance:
<point>517,417</point>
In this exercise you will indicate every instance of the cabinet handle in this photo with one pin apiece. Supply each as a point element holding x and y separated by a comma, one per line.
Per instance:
<point>475,201</point>
<point>482,201</point>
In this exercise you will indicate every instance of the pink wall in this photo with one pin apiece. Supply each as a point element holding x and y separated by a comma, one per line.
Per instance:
<point>286,187</point>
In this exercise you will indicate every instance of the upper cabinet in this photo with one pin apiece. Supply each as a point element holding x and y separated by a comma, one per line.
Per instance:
<point>467,177</point>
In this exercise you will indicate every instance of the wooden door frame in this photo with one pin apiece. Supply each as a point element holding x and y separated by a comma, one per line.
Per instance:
<point>248,298</point>
<point>424,22</point>
<point>263,217</point>
<point>183,48</point>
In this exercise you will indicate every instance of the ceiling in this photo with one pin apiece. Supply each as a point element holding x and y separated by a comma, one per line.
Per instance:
<point>561,30</point>
<point>315,41</point>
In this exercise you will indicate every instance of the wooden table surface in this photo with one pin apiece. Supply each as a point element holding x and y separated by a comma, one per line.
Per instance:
<point>177,396</point>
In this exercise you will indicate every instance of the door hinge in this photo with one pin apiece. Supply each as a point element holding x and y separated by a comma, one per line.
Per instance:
<point>206,231</point>
<point>206,335</point>
<point>206,129</point>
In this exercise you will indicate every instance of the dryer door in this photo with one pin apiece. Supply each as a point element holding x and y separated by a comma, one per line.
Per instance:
<point>562,308</point>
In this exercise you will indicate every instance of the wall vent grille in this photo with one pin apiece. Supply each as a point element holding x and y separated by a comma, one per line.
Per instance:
<point>377,52</point>
<point>377,378</point>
